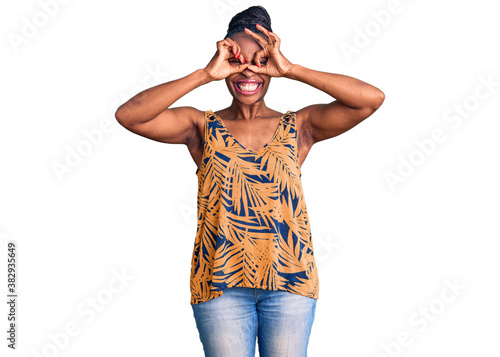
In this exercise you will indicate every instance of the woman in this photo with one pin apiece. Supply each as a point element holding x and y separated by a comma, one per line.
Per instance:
<point>253,272</point>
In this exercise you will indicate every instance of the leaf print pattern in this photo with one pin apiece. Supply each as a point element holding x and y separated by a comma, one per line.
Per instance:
<point>253,227</point>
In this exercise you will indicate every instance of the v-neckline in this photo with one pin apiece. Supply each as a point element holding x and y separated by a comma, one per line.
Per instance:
<point>244,148</point>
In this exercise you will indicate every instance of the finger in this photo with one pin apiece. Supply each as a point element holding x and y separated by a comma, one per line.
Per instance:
<point>263,30</point>
<point>232,45</point>
<point>257,56</point>
<point>238,52</point>
<point>236,49</point>
<point>221,44</point>
<point>272,37</point>
<point>224,48</point>
<point>239,68</point>
<point>260,40</point>
<point>276,39</point>
<point>256,69</point>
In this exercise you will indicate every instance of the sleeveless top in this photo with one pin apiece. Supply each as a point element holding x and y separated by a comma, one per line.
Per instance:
<point>253,227</point>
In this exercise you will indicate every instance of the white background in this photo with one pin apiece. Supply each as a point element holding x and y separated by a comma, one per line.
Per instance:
<point>384,251</point>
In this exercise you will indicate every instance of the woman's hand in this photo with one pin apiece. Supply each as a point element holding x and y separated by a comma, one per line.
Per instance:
<point>277,65</point>
<point>219,67</point>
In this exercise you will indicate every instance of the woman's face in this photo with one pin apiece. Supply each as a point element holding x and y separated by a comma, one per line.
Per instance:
<point>247,87</point>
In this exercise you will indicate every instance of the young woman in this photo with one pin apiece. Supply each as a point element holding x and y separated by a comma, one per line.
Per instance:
<point>253,272</point>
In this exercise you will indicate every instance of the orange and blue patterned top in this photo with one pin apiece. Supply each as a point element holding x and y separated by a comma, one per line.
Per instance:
<point>253,227</point>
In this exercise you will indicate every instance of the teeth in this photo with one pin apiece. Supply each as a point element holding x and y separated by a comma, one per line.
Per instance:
<point>247,87</point>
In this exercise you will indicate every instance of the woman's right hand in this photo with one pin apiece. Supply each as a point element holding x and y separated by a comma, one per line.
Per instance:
<point>225,60</point>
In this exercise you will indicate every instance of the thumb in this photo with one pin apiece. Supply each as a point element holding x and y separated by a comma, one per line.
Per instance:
<point>255,69</point>
<point>239,68</point>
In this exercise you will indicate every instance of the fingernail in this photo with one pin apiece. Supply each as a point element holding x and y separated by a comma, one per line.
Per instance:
<point>243,59</point>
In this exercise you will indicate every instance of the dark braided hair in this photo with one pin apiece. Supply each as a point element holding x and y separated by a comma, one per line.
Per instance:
<point>249,18</point>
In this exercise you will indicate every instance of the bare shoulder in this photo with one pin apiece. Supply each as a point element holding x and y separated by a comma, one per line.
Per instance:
<point>194,115</point>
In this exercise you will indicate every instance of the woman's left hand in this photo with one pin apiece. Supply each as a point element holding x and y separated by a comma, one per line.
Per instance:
<point>277,65</point>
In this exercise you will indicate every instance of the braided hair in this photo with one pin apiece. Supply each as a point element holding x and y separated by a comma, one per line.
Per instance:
<point>249,18</point>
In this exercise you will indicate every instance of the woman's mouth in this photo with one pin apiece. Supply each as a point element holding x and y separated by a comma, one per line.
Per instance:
<point>247,87</point>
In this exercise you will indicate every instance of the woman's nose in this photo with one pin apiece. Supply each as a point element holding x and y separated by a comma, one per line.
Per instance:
<point>247,73</point>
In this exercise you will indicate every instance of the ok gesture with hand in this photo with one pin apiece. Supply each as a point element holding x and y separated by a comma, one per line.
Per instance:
<point>277,65</point>
<point>219,67</point>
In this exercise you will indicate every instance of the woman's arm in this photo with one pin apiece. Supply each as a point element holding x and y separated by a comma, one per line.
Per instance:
<point>356,101</point>
<point>148,114</point>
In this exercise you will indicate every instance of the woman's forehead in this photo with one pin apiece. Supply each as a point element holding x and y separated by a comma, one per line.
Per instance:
<point>246,42</point>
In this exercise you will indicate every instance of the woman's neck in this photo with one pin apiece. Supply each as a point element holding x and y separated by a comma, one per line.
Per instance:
<point>247,111</point>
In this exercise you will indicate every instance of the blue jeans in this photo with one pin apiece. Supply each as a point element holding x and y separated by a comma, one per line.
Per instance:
<point>229,324</point>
